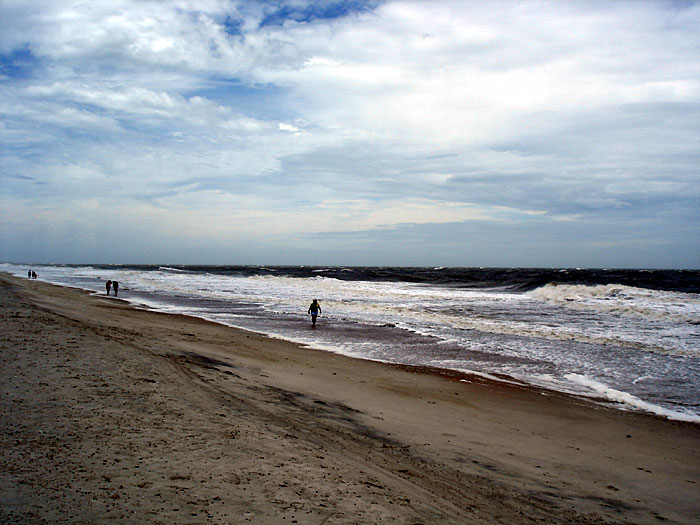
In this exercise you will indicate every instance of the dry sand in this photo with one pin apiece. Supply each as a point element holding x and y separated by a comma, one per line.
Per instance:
<point>110,413</point>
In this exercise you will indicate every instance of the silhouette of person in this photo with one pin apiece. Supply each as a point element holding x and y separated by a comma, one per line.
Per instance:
<point>115,285</point>
<point>29,274</point>
<point>33,274</point>
<point>314,310</point>
<point>108,285</point>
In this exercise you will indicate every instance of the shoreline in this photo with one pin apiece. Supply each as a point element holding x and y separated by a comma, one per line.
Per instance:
<point>281,430</point>
<point>598,393</point>
<point>447,373</point>
<point>612,390</point>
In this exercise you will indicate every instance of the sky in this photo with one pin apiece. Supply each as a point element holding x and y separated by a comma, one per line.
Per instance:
<point>412,133</point>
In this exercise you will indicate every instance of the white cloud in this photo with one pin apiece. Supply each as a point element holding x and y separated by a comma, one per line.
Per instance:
<point>289,128</point>
<point>407,71</point>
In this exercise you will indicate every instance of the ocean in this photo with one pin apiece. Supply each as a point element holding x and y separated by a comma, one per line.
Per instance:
<point>629,338</point>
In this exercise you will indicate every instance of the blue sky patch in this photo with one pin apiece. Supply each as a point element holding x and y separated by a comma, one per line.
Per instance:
<point>316,10</point>
<point>18,64</point>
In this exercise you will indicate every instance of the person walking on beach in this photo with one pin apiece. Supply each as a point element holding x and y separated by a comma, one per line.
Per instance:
<point>108,286</point>
<point>115,285</point>
<point>314,310</point>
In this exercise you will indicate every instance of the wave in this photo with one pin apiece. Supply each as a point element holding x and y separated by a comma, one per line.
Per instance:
<point>624,300</point>
<point>628,400</point>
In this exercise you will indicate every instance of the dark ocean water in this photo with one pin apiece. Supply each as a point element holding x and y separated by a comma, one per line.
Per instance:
<point>513,279</point>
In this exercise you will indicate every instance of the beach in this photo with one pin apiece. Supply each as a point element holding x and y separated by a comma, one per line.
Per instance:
<point>113,413</point>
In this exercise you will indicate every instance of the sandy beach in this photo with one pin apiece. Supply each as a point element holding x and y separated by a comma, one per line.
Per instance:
<point>115,414</point>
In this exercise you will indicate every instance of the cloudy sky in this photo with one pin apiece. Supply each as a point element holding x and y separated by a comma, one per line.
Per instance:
<point>460,133</point>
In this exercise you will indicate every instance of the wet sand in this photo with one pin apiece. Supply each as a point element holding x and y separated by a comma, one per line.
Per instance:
<point>110,413</point>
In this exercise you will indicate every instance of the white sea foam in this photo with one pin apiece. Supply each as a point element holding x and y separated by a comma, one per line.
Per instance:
<point>597,388</point>
<point>642,378</point>
<point>624,300</point>
<point>169,269</point>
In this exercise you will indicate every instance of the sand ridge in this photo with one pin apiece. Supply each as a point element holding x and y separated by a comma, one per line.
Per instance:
<point>110,413</point>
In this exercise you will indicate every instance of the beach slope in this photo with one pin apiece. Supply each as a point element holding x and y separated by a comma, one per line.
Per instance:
<point>109,413</point>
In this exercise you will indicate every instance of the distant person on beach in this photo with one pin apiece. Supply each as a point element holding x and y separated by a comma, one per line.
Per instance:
<point>115,285</point>
<point>29,274</point>
<point>33,274</point>
<point>108,286</point>
<point>314,310</point>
